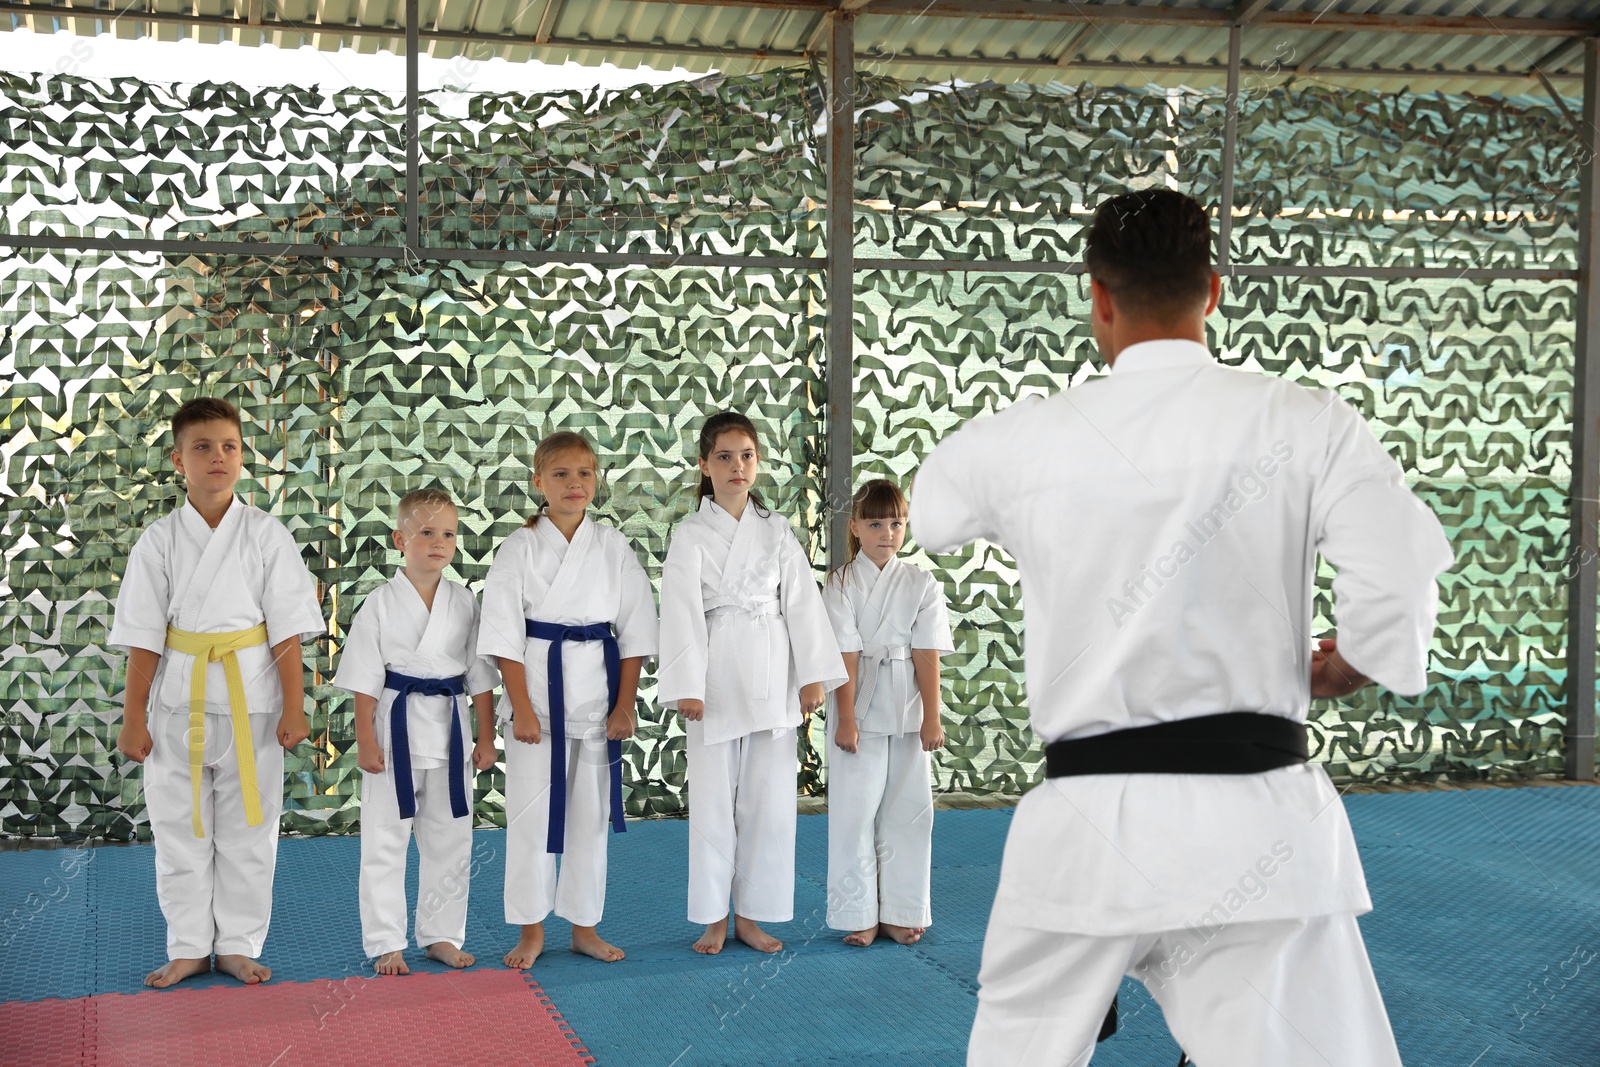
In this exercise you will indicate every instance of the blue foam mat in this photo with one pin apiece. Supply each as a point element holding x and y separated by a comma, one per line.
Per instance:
<point>1485,938</point>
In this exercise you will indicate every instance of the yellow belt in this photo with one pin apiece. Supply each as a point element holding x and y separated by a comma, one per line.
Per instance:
<point>208,648</point>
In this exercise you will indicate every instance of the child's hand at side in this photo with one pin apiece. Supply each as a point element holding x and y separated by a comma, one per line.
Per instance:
<point>369,756</point>
<point>484,754</point>
<point>133,741</point>
<point>525,726</point>
<point>293,728</point>
<point>620,726</point>
<point>932,735</point>
<point>693,710</point>
<point>846,735</point>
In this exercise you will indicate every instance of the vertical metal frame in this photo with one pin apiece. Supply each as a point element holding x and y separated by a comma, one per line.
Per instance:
<point>1230,141</point>
<point>840,330</point>
<point>1584,491</point>
<point>413,138</point>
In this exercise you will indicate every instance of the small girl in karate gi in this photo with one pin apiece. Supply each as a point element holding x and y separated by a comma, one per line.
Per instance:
<point>891,624</point>
<point>570,617</point>
<point>746,652</point>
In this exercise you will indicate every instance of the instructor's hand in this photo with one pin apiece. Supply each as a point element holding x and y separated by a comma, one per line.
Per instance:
<point>1331,673</point>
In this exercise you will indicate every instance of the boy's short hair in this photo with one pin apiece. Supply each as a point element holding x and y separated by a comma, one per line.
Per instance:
<point>1152,250</point>
<point>431,497</point>
<point>203,409</point>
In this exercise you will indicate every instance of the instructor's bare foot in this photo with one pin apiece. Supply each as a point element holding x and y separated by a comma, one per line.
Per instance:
<point>528,947</point>
<point>861,937</point>
<point>586,942</point>
<point>449,955</point>
<point>906,935</point>
<point>747,931</point>
<point>710,942</point>
<point>176,971</point>
<point>243,968</point>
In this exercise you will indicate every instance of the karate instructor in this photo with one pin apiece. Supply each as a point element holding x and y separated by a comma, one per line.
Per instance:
<point>1166,519</point>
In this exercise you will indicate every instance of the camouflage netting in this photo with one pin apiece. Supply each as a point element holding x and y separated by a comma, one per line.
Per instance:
<point>363,378</point>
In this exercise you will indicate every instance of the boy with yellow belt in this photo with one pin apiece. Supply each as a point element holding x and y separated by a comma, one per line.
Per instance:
<point>214,605</point>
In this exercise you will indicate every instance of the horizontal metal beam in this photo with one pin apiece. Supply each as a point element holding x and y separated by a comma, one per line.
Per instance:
<point>278,250</point>
<point>284,250</point>
<point>1011,10</point>
<point>1138,15</point>
<point>559,44</point>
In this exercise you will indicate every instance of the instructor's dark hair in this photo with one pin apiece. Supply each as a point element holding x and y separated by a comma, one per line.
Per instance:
<point>1152,250</point>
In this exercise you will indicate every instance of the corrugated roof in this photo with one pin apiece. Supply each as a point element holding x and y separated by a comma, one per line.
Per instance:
<point>705,35</point>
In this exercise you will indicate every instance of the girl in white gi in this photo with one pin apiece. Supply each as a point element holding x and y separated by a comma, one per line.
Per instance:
<point>411,658</point>
<point>213,607</point>
<point>888,616</point>
<point>568,612</point>
<point>746,653</point>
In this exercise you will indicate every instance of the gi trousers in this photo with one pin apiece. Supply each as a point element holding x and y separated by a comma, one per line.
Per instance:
<point>880,833</point>
<point>1276,993</point>
<point>444,851</point>
<point>533,886</point>
<point>742,810</point>
<point>215,891</point>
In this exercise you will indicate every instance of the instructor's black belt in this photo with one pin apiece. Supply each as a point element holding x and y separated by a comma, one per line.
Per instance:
<point>1235,742</point>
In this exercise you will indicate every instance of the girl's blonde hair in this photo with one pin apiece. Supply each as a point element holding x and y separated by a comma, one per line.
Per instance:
<point>553,446</point>
<point>878,499</point>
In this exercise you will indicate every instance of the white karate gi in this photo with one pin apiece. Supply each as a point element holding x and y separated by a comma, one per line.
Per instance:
<point>742,628</point>
<point>596,578</point>
<point>1165,519</point>
<point>880,797</point>
<point>394,631</point>
<point>215,891</point>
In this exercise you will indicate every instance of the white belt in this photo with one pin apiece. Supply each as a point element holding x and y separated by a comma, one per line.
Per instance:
<point>757,669</point>
<point>896,656</point>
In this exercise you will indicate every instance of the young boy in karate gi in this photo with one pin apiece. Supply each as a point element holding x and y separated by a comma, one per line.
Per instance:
<point>410,659</point>
<point>213,607</point>
<point>1166,518</point>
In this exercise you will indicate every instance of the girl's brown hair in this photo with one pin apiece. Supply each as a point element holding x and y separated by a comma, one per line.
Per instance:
<point>715,427</point>
<point>878,499</point>
<point>551,447</point>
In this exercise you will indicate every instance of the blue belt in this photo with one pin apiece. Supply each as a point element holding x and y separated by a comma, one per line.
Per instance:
<point>558,634</point>
<point>400,742</point>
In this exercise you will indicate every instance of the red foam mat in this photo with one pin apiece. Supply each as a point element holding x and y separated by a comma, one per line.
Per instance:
<point>474,1017</point>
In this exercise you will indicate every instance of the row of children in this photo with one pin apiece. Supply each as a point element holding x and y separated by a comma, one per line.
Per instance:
<point>216,601</point>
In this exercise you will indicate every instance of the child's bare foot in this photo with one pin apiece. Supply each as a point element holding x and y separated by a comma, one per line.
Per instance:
<point>391,963</point>
<point>747,931</point>
<point>906,935</point>
<point>587,942</point>
<point>710,942</point>
<point>450,956</point>
<point>176,971</point>
<point>243,968</point>
<point>528,947</point>
<point>861,937</point>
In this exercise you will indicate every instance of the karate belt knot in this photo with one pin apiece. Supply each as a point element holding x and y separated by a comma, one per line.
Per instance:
<point>872,659</point>
<point>758,669</point>
<point>400,739</point>
<point>559,634</point>
<point>209,648</point>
